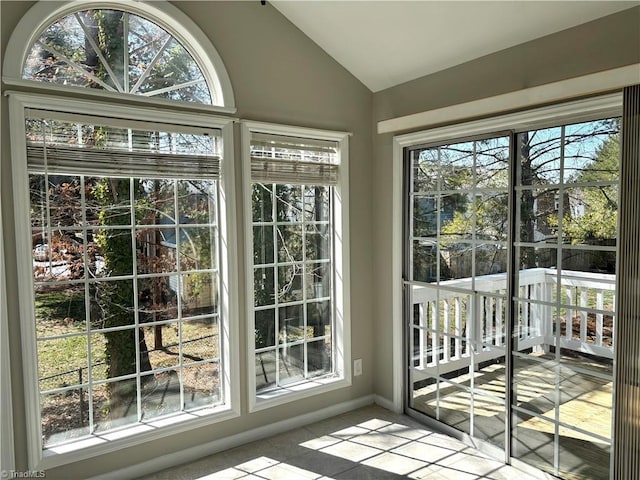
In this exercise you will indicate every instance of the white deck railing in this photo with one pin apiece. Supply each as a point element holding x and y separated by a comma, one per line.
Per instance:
<point>463,321</point>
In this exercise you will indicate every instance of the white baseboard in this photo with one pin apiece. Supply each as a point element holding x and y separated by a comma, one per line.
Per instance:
<point>197,452</point>
<point>386,403</point>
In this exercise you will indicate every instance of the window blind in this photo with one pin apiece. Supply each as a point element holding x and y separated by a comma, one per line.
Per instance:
<point>293,160</point>
<point>63,147</point>
<point>60,160</point>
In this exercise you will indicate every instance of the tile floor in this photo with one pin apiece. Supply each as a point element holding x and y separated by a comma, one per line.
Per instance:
<point>368,443</point>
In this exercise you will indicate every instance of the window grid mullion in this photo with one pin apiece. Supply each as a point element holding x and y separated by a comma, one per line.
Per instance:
<point>87,305</point>
<point>176,215</point>
<point>276,282</point>
<point>136,314</point>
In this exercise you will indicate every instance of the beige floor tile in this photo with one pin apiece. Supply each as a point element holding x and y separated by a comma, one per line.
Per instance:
<point>404,431</point>
<point>394,463</point>
<point>380,440</point>
<point>351,451</point>
<point>422,451</point>
<point>283,471</point>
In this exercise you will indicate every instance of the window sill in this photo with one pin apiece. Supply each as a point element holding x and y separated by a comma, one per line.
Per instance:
<point>291,393</point>
<point>126,437</point>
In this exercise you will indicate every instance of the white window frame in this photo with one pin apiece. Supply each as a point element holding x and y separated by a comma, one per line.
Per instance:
<point>7,460</point>
<point>39,458</point>
<point>161,12</point>
<point>341,336</point>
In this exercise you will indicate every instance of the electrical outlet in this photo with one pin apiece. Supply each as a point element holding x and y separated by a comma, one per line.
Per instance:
<point>357,367</point>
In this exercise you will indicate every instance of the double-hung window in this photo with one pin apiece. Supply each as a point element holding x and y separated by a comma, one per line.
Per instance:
<point>126,236</point>
<point>296,232</point>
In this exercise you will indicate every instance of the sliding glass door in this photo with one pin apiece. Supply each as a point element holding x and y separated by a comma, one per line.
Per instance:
<point>510,291</point>
<point>459,220</point>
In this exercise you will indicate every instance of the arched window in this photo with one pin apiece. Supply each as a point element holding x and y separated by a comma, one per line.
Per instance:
<point>150,50</point>
<point>75,160</point>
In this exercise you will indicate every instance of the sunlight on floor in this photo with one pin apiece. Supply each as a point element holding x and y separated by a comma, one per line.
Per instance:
<point>374,448</point>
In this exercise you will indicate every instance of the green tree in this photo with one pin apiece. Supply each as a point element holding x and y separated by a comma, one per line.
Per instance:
<point>599,221</point>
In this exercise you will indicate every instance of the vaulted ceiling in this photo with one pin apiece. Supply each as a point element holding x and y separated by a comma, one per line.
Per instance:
<point>386,43</point>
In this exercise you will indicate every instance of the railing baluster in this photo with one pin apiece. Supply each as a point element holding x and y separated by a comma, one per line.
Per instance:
<point>489,335</point>
<point>458,330</point>
<point>569,320</point>
<point>421,334</point>
<point>446,340</point>
<point>435,355</point>
<point>583,315</point>
<point>599,317</point>
<point>526,320</point>
<point>499,313</point>
<point>469,323</point>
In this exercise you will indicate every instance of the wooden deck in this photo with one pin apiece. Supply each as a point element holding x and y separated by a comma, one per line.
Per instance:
<point>583,412</point>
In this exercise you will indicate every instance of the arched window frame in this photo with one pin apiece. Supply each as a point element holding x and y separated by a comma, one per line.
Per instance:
<point>166,15</point>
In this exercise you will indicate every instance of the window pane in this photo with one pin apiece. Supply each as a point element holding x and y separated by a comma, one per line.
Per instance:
<point>62,362</point>
<point>317,243</point>
<point>163,345</point>
<point>318,279</point>
<point>425,261</point>
<point>115,404</point>
<point>201,385</point>
<point>199,340</point>
<point>156,250</point>
<point>263,244</point>
<point>116,303</point>
<point>197,248</point>
<point>319,318</point>
<point>492,216</point>
<point>262,202</point>
<point>425,169</point>
<point>590,215</point>
<point>539,157</point>
<point>265,369</point>
<point>199,293</point>
<point>291,322</point>
<point>65,415</point>
<point>114,246</point>
<point>538,213</point>
<point>425,216</point>
<point>292,364</point>
<point>492,163</point>
<point>457,166</point>
<point>289,243</point>
<point>60,310</point>
<point>290,283</point>
<point>265,328</point>
<point>155,202</point>
<point>317,203</point>
<point>197,202</point>
<point>289,203</point>
<point>264,286</point>
<point>592,151</point>
<point>160,394</point>
<point>318,358</point>
<point>159,65</point>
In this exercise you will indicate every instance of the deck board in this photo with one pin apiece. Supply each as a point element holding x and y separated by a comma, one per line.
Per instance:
<point>584,411</point>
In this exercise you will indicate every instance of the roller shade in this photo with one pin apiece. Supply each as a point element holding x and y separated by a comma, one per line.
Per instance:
<point>63,147</point>
<point>294,160</point>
